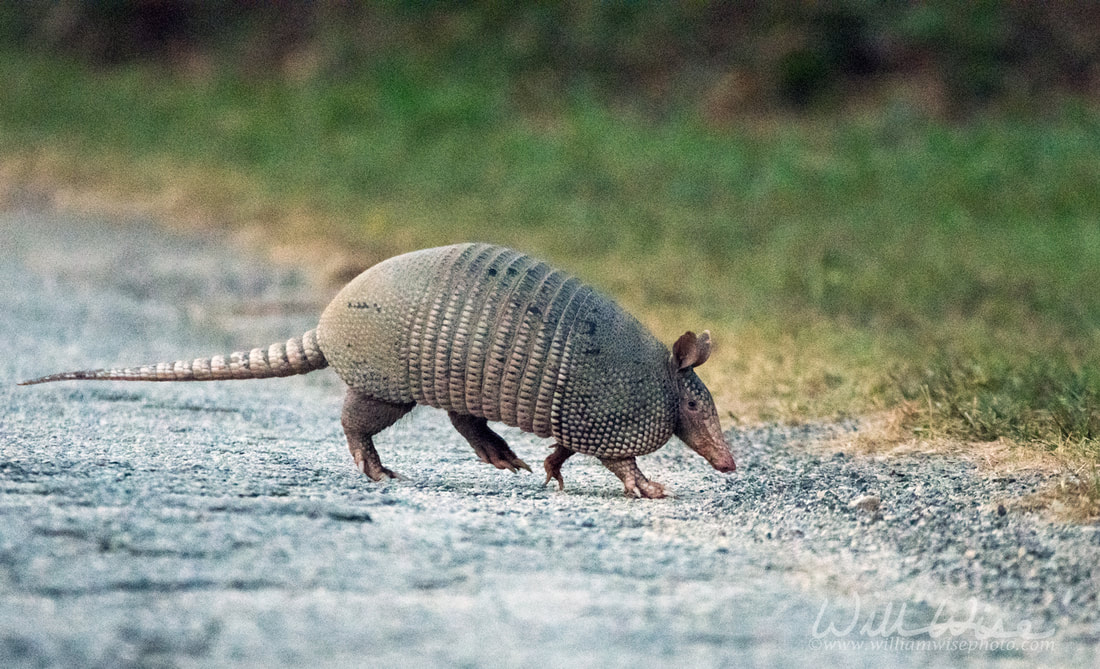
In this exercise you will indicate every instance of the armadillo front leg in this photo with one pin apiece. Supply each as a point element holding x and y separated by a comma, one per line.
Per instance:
<point>633,479</point>
<point>553,464</point>
<point>487,444</point>
<point>364,417</point>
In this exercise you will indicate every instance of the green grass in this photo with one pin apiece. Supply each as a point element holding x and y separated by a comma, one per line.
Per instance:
<point>846,262</point>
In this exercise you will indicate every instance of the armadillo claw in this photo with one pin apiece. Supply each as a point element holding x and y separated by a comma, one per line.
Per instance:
<point>499,464</point>
<point>511,463</point>
<point>645,489</point>
<point>487,445</point>
<point>555,476</point>
<point>377,472</point>
<point>553,464</point>
<point>635,483</point>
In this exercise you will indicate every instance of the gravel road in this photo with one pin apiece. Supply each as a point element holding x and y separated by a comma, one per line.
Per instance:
<point>222,524</point>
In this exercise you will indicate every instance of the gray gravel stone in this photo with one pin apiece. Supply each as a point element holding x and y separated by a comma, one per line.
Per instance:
<point>868,503</point>
<point>223,524</point>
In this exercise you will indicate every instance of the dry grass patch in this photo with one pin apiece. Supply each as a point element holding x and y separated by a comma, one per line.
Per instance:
<point>1074,498</point>
<point>1074,494</point>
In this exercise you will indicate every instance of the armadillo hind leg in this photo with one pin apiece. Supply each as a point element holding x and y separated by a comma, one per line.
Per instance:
<point>364,417</point>
<point>487,444</point>
<point>635,482</point>
<point>553,464</point>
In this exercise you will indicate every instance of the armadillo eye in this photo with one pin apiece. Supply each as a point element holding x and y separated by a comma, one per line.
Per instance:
<point>693,405</point>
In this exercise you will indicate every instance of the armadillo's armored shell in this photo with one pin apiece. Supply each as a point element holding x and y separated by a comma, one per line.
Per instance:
<point>488,331</point>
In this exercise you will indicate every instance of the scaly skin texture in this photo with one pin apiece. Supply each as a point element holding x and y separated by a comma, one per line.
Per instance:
<point>489,334</point>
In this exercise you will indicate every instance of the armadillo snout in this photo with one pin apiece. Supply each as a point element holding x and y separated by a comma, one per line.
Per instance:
<point>724,464</point>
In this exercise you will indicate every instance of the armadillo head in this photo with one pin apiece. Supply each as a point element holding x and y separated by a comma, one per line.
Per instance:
<point>697,422</point>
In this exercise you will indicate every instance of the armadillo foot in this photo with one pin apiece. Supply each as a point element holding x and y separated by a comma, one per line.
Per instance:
<point>364,417</point>
<point>504,460</point>
<point>487,444</point>
<point>634,481</point>
<point>375,470</point>
<point>553,464</point>
<point>646,489</point>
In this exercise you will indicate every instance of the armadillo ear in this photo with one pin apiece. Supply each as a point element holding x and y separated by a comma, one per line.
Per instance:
<point>691,351</point>
<point>702,345</point>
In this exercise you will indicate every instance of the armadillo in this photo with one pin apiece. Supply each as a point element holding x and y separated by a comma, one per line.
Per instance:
<point>488,333</point>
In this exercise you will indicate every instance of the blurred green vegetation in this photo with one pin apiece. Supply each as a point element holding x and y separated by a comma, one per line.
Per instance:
<point>860,253</point>
<point>729,57</point>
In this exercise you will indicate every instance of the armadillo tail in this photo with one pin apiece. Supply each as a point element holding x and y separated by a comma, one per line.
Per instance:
<point>297,355</point>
